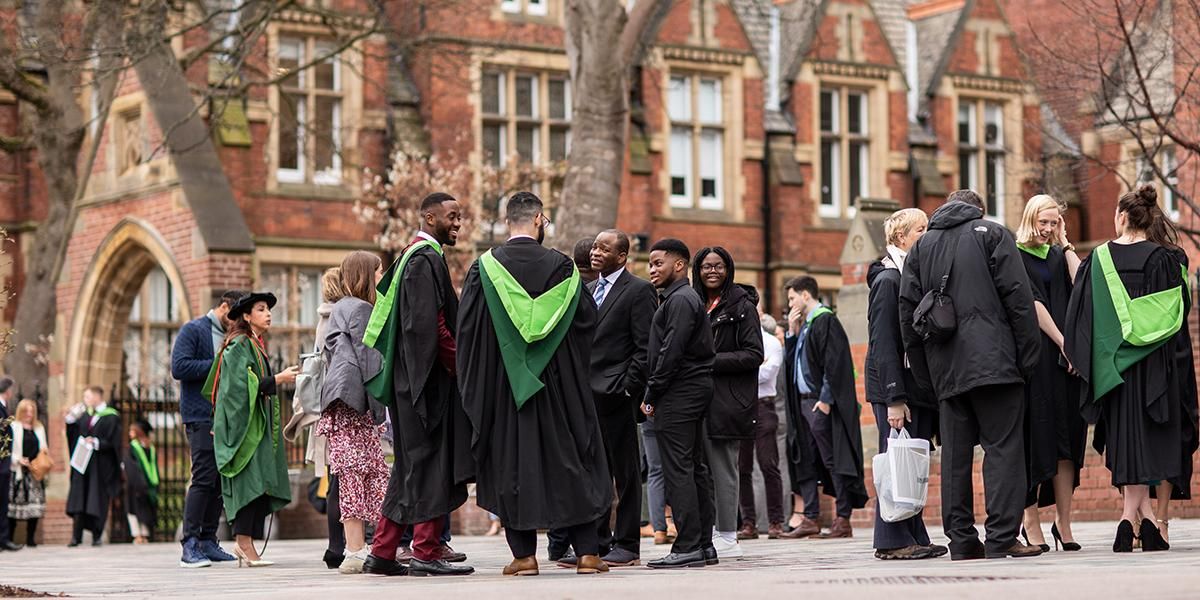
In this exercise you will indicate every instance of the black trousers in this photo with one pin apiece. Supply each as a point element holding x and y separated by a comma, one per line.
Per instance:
<point>765,446</point>
<point>618,426</point>
<point>30,530</point>
<point>86,522</point>
<point>249,520</point>
<point>523,542</point>
<point>5,487</point>
<point>202,507</point>
<point>333,516</point>
<point>821,426</point>
<point>911,531</point>
<point>679,423</point>
<point>993,416</point>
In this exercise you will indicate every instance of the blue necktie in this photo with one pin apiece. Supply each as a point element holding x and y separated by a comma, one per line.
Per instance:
<point>598,295</point>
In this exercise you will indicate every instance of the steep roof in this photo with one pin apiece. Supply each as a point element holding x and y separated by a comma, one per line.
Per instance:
<point>936,35</point>
<point>892,16</point>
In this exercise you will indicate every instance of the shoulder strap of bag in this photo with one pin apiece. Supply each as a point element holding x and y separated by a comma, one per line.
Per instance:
<point>950,269</point>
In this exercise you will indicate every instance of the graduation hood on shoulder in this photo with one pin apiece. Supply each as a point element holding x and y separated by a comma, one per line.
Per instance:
<point>953,214</point>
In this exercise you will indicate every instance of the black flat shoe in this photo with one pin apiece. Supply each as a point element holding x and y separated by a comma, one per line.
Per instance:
<point>1152,539</point>
<point>10,546</point>
<point>74,543</point>
<point>1066,546</point>
<point>676,560</point>
<point>710,556</point>
<point>439,567</point>
<point>333,560</point>
<point>382,566</point>
<point>1124,540</point>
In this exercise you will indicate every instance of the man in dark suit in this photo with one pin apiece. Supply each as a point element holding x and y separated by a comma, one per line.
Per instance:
<point>618,376</point>
<point>7,407</point>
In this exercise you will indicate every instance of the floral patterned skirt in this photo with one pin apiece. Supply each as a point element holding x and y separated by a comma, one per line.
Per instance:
<point>356,457</point>
<point>26,498</point>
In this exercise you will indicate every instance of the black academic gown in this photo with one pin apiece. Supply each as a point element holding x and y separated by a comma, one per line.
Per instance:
<point>92,491</point>
<point>1054,429</point>
<point>543,466</point>
<point>431,434</point>
<point>138,498</point>
<point>1139,427</point>
<point>827,350</point>
<point>803,457</point>
<point>1181,486</point>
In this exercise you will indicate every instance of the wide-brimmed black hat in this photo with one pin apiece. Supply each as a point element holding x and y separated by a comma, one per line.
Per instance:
<point>247,302</point>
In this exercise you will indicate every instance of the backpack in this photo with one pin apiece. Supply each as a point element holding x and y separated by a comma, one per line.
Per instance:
<point>310,380</point>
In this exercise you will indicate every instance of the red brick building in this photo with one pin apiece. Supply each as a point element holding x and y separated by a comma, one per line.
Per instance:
<point>756,125</point>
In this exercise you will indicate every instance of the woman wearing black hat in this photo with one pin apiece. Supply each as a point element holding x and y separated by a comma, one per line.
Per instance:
<point>247,435</point>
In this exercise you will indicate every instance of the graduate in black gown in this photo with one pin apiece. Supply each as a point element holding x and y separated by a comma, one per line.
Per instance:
<point>99,426</point>
<point>523,374</point>
<point>1055,433</point>
<point>1130,299</point>
<point>141,482</point>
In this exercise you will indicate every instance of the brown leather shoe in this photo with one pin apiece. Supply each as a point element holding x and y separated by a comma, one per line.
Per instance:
<point>590,564</point>
<point>522,567</point>
<point>749,531</point>
<point>1017,550</point>
<point>662,538</point>
<point>840,529</point>
<point>806,528</point>
<point>774,530</point>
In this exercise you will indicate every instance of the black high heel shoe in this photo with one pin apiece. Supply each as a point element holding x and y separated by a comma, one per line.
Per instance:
<point>1152,539</point>
<point>332,560</point>
<point>1124,540</point>
<point>1066,546</point>
<point>1025,534</point>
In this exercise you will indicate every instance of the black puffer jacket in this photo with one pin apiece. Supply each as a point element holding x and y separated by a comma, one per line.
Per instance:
<point>997,340</point>
<point>889,381</point>
<point>737,339</point>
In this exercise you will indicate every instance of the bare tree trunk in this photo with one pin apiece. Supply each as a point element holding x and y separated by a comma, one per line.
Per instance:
<point>603,44</point>
<point>57,130</point>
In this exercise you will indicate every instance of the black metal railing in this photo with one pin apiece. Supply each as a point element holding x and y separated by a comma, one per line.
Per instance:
<point>159,405</point>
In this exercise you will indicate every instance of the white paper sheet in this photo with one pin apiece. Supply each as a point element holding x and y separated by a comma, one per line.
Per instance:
<point>81,456</point>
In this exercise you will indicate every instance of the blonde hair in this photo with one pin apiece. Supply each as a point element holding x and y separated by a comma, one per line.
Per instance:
<point>1027,231</point>
<point>902,222</point>
<point>28,405</point>
<point>331,285</point>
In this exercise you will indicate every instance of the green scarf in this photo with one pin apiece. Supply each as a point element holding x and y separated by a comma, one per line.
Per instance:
<point>528,330</point>
<point>1125,330</point>
<point>1041,251</point>
<point>107,411</point>
<point>149,466</point>
<point>383,329</point>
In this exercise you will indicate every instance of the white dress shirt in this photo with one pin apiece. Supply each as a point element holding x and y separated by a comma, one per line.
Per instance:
<point>769,370</point>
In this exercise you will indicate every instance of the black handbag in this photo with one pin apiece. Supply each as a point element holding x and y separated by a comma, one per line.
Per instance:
<point>934,319</point>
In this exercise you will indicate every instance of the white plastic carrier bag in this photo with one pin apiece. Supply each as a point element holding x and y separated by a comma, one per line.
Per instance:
<point>901,477</point>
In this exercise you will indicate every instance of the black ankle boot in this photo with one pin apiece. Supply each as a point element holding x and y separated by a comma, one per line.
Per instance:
<point>1124,541</point>
<point>1152,539</point>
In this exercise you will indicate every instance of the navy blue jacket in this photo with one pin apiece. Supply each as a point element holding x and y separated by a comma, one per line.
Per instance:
<point>191,360</point>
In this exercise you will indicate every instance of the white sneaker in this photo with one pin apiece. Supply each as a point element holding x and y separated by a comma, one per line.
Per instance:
<point>353,563</point>
<point>727,549</point>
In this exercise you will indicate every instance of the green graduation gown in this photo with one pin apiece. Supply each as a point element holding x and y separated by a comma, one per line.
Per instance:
<point>247,437</point>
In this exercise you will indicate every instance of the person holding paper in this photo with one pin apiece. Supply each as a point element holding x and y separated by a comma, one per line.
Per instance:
<point>94,436</point>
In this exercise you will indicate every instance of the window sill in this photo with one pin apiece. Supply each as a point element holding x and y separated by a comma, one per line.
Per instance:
<point>831,224</point>
<point>697,215</point>
<point>311,191</point>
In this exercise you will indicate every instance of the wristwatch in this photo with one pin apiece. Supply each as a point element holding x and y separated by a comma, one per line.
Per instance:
<point>1068,247</point>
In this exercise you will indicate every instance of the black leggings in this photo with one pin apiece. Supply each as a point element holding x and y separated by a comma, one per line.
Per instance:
<point>583,538</point>
<point>249,520</point>
<point>30,529</point>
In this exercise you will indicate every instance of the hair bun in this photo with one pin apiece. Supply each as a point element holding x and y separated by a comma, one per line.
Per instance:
<point>1147,195</point>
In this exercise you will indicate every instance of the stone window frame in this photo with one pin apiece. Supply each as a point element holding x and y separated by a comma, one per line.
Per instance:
<point>352,117</point>
<point>539,10</point>
<point>981,152</point>
<point>733,147</point>
<point>1167,158</point>
<point>841,139</point>
<point>148,330</point>
<point>696,126</point>
<point>511,123</point>
<point>876,87</point>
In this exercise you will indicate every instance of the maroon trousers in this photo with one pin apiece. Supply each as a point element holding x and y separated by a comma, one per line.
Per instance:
<point>427,542</point>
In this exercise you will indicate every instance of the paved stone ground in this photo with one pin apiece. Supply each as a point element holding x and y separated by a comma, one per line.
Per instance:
<point>842,569</point>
